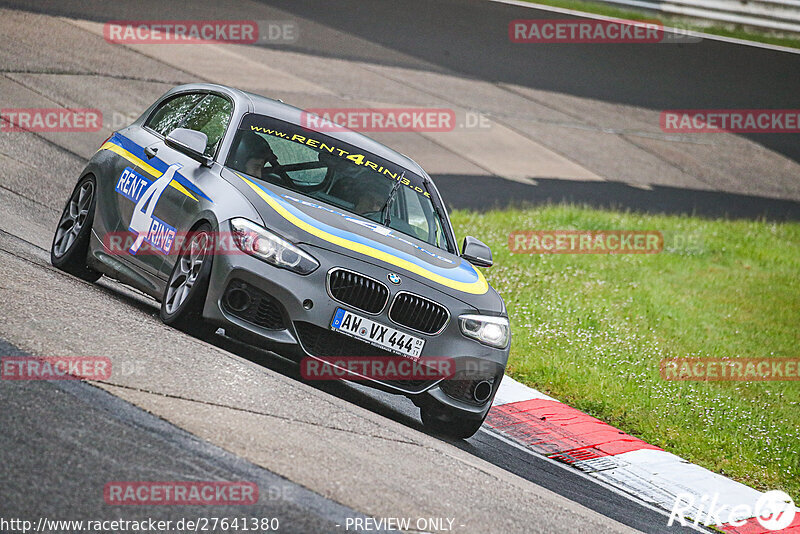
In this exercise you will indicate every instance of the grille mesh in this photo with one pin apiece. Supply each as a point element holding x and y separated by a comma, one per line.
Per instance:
<point>326,343</point>
<point>358,291</point>
<point>322,342</point>
<point>418,313</point>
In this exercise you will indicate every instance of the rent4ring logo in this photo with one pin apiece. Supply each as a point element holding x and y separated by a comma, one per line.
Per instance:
<point>131,184</point>
<point>146,194</point>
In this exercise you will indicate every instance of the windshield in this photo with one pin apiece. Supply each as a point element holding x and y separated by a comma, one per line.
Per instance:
<point>337,173</point>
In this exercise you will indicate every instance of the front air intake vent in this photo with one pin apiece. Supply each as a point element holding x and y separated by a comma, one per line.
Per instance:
<point>253,305</point>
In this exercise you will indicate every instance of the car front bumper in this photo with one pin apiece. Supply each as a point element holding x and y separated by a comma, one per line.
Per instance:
<point>295,316</point>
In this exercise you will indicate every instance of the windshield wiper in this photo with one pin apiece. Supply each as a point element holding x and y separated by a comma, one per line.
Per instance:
<point>387,205</point>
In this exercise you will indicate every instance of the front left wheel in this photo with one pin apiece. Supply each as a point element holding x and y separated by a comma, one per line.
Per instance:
<point>185,294</point>
<point>71,241</point>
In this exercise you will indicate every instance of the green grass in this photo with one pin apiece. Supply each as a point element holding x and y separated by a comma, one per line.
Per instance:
<point>676,22</point>
<point>591,329</point>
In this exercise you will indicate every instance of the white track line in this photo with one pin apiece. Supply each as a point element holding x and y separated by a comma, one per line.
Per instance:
<point>654,478</point>
<point>512,391</point>
<point>613,489</point>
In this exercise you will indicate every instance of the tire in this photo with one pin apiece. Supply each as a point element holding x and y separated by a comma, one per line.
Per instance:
<point>449,423</point>
<point>70,245</point>
<point>185,294</point>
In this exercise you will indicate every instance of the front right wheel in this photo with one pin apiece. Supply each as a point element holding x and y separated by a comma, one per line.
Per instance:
<point>185,294</point>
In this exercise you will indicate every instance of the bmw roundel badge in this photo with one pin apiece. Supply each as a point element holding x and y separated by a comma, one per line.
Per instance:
<point>393,278</point>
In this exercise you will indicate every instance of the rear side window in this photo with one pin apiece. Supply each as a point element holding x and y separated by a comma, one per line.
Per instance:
<point>210,116</point>
<point>170,113</point>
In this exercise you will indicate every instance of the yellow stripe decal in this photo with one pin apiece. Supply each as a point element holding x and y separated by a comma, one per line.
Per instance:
<point>144,166</point>
<point>479,287</point>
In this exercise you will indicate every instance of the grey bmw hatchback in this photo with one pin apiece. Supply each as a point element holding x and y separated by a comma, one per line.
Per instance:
<point>323,246</point>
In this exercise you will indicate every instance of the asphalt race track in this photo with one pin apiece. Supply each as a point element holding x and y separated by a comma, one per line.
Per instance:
<point>90,426</point>
<point>574,122</point>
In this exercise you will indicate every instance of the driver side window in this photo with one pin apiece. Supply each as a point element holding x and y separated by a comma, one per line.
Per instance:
<point>170,113</point>
<point>210,116</point>
<point>205,113</point>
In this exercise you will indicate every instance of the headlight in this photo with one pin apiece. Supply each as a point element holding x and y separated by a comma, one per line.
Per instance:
<point>263,244</point>
<point>492,331</point>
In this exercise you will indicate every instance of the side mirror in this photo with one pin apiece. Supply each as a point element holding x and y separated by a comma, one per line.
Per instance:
<point>476,252</point>
<point>190,142</point>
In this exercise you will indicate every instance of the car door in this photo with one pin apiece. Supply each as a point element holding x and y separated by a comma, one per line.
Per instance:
<point>211,116</point>
<point>164,188</point>
<point>146,188</point>
<point>115,182</point>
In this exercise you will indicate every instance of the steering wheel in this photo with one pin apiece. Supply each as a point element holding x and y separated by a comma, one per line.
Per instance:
<point>376,216</point>
<point>274,177</point>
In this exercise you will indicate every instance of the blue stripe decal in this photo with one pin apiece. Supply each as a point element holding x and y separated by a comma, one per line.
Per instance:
<point>464,273</point>
<point>156,163</point>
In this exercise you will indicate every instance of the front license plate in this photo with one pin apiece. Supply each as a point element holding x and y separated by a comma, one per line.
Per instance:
<point>376,334</point>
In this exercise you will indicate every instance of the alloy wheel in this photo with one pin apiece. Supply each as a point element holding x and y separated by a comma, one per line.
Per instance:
<point>73,218</point>
<point>186,272</point>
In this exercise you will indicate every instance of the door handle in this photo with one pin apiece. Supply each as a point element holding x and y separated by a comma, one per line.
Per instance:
<point>150,152</point>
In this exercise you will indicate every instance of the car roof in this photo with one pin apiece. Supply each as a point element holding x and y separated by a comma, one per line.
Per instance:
<point>291,114</point>
<point>277,109</point>
<point>250,102</point>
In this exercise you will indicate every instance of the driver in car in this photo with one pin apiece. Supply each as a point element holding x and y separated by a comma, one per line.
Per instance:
<point>369,202</point>
<point>255,164</point>
<point>252,154</point>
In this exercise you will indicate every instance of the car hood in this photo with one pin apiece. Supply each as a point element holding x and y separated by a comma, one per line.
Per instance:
<point>302,219</point>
